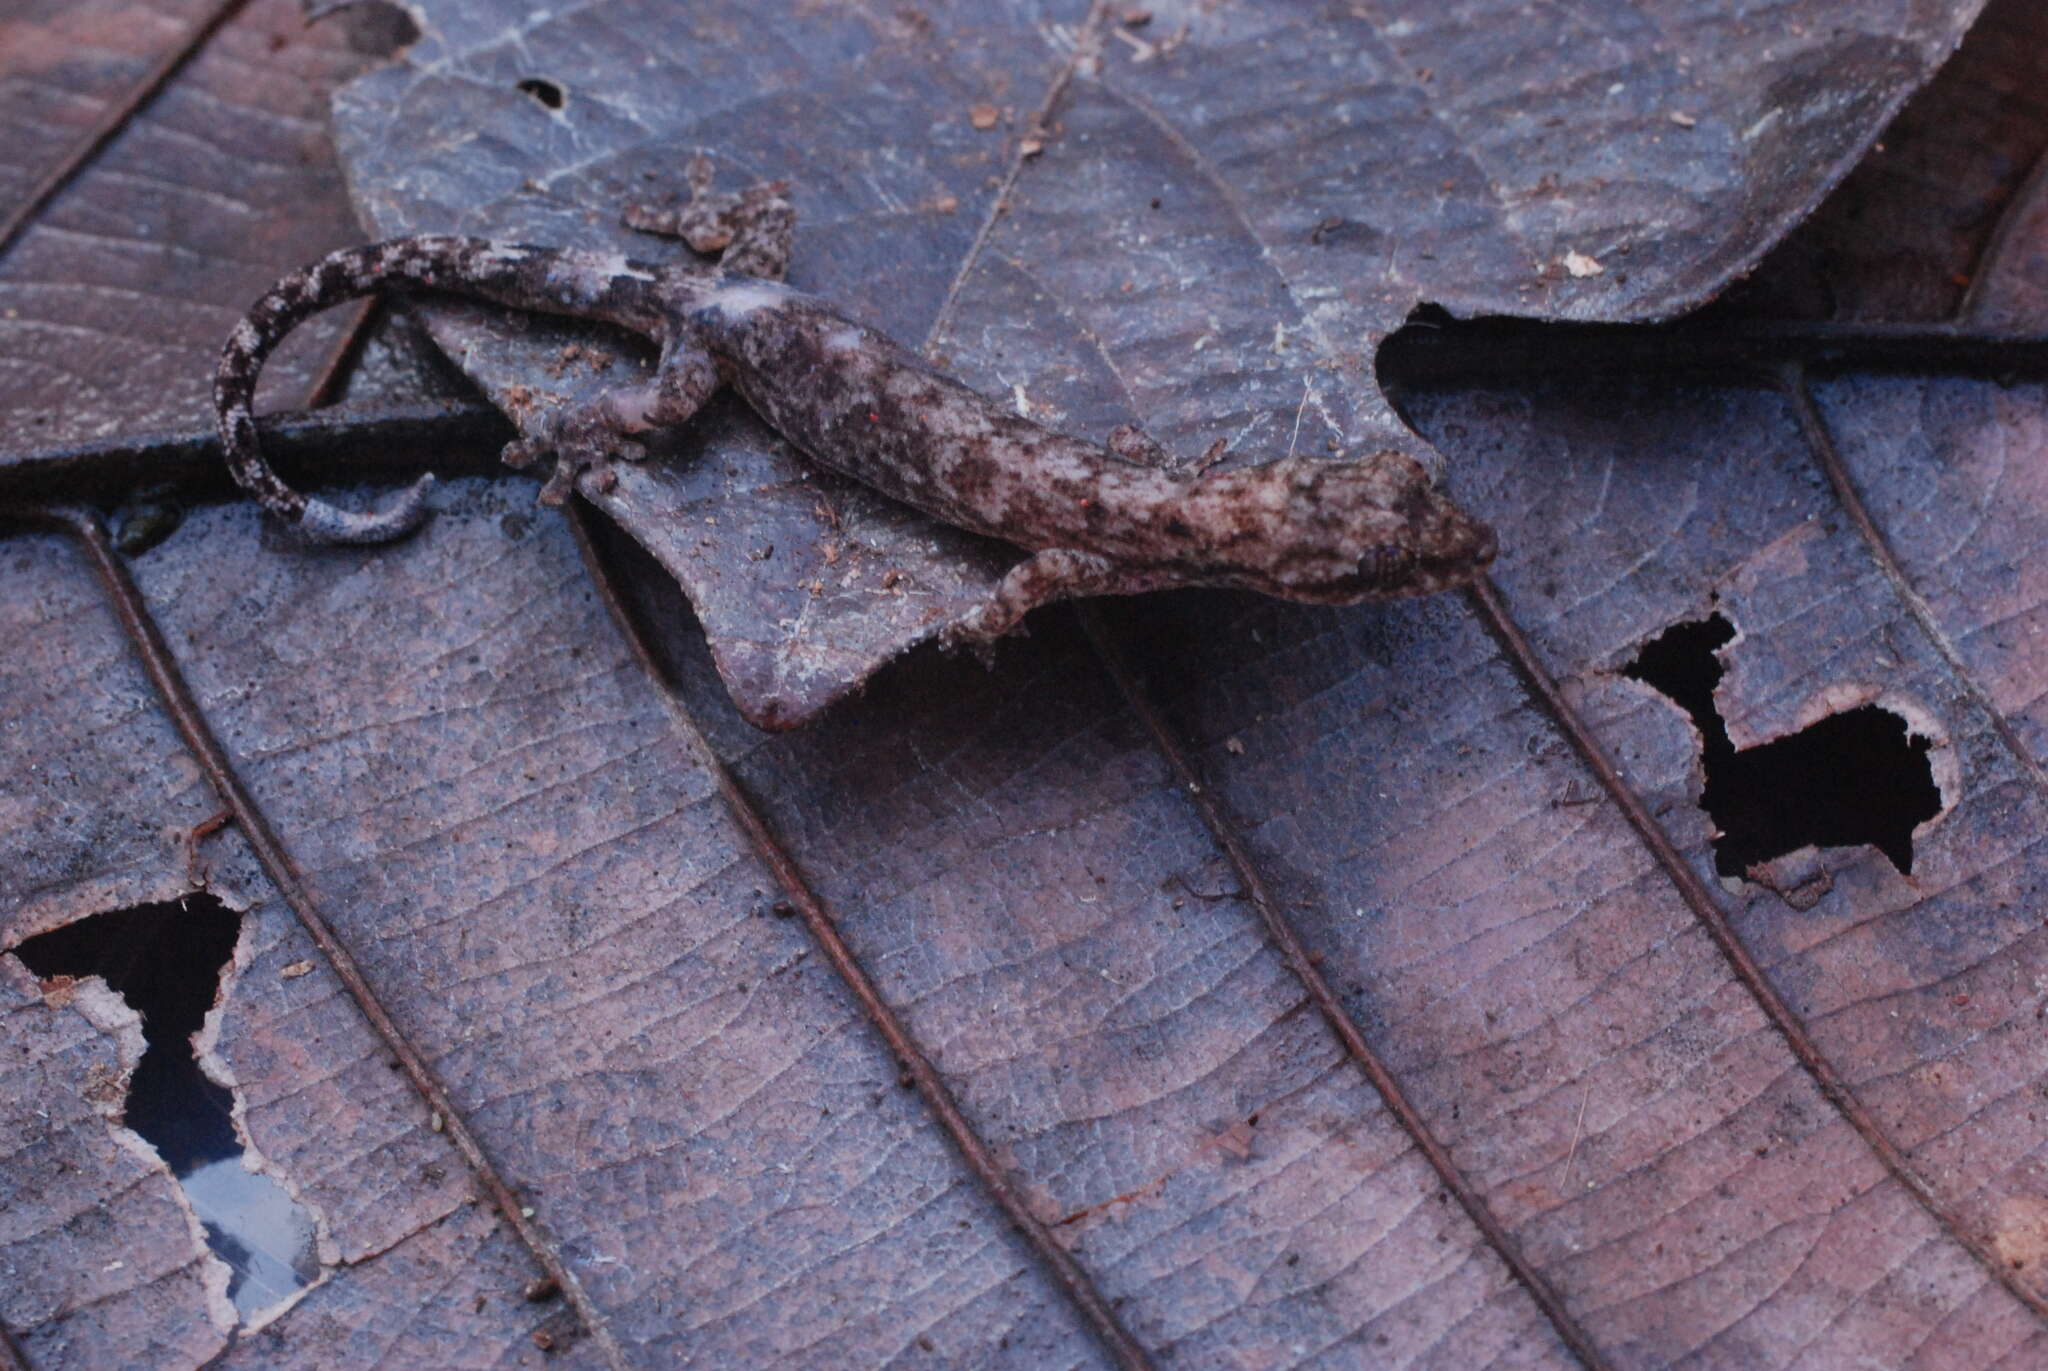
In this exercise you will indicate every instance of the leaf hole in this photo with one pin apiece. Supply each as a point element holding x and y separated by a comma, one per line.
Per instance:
<point>1856,778</point>
<point>165,961</point>
<point>547,94</point>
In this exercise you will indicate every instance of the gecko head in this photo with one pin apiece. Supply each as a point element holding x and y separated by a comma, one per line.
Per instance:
<point>1375,528</point>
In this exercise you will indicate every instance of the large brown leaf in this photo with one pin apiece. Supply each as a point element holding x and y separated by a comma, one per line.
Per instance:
<point>496,809</point>
<point>1204,223</point>
<point>117,291</point>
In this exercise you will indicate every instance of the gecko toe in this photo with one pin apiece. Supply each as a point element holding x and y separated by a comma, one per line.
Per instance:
<point>964,635</point>
<point>555,491</point>
<point>980,628</point>
<point>522,453</point>
<point>646,216</point>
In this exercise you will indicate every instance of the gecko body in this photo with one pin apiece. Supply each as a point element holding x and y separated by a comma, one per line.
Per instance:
<point>1099,518</point>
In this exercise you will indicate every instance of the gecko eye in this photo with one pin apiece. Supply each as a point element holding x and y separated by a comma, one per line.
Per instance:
<point>1385,567</point>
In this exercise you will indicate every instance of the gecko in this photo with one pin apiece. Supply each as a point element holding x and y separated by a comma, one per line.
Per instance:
<point>1096,518</point>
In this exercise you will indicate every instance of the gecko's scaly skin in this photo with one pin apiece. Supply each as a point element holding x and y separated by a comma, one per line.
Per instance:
<point>857,402</point>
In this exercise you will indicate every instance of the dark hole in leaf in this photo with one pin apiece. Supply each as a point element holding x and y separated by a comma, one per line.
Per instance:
<point>165,960</point>
<point>550,95</point>
<point>1853,778</point>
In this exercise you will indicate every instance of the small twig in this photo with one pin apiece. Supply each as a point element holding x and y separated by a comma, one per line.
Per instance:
<point>1520,349</point>
<point>198,834</point>
<point>373,445</point>
<point>1088,42</point>
<point>1578,1129</point>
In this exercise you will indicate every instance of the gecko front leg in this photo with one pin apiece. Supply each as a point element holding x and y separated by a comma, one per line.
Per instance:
<point>1057,573</point>
<point>751,232</point>
<point>1133,444</point>
<point>606,428</point>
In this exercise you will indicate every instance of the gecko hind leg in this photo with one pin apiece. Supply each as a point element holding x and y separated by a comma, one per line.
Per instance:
<point>594,434</point>
<point>750,230</point>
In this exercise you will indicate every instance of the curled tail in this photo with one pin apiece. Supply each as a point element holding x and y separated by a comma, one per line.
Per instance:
<point>344,275</point>
<point>553,280</point>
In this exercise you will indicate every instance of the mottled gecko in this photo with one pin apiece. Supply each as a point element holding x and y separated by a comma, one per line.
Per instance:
<point>1099,518</point>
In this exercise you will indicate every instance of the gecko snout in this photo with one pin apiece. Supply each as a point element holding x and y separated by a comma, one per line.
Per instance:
<point>1451,547</point>
<point>1446,546</point>
<point>1432,543</point>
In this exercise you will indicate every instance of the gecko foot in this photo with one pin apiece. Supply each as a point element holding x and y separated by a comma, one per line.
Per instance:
<point>602,430</point>
<point>586,437</point>
<point>750,231</point>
